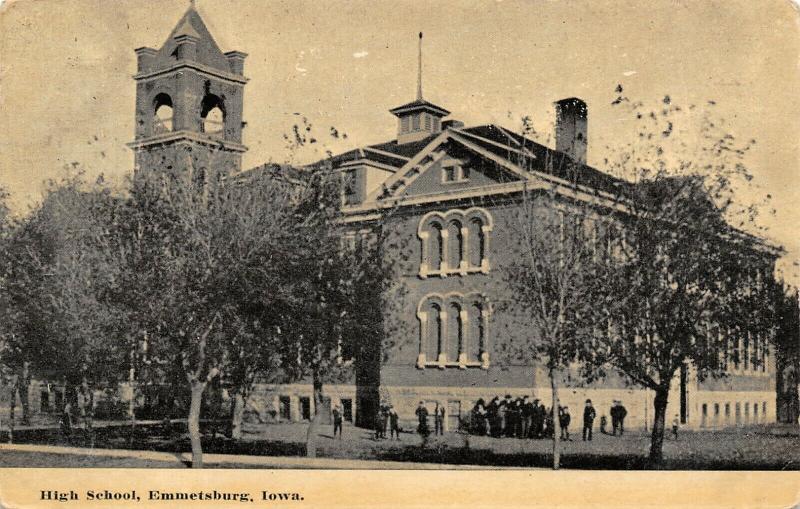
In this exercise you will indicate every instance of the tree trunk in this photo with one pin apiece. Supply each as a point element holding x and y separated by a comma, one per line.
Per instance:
<point>556,421</point>
<point>132,404</point>
<point>237,414</point>
<point>659,418</point>
<point>194,423</point>
<point>85,398</point>
<point>313,427</point>
<point>24,386</point>
<point>12,405</point>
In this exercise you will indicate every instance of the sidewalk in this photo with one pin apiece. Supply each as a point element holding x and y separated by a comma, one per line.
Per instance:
<point>260,461</point>
<point>78,424</point>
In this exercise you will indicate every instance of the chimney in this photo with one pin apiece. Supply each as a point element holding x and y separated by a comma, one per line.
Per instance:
<point>572,128</point>
<point>452,124</point>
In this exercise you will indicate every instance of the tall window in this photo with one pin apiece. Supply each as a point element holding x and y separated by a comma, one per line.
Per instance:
<point>477,246</point>
<point>453,331</point>
<point>212,115</point>
<point>162,109</point>
<point>455,248</point>
<point>436,247</point>
<point>464,247</point>
<point>434,340</point>
<point>475,332</point>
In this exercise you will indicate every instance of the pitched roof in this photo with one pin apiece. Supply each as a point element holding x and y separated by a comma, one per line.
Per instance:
<point>517,150</point>
<point>406,150</point>
<point>208,52</point>
<point>186,28</point>
<point>419,104</point>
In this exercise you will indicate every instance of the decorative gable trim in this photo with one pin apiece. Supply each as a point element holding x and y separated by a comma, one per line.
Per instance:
<point>409,172</point>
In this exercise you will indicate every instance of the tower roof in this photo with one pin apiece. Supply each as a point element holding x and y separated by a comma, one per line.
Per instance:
<point>419,105</point>
<point>208,52</point>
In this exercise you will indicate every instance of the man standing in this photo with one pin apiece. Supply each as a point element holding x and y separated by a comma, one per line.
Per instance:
<point>492,416</point>
<point>614,419</point>
<point>502,416</point>
<point>588,420</point>
<point>540,416</point>
<point>385,419</point>
<point>422,428</point>
<point>337,421</point>
<point>621,413</point>
<point>394,423</point>
<point>527,414</point>
<point>438,420</point>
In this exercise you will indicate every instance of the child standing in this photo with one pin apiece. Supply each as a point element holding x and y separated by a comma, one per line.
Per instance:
<point>675,424</point>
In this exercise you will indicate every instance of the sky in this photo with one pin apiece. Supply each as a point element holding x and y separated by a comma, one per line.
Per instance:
<point>67,93</point>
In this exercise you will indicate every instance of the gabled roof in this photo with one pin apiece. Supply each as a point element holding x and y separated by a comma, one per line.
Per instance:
<point>208,52</point>
<point>521,158</point>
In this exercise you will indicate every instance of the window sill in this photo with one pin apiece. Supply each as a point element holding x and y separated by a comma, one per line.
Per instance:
<point>482,269</point>
<point>434,364</point>
<point>483,363</point>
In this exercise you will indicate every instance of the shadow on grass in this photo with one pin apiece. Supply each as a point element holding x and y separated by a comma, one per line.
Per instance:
<point>173,438</point>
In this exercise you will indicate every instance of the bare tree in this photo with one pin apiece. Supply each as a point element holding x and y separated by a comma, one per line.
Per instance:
<point>550,279</point>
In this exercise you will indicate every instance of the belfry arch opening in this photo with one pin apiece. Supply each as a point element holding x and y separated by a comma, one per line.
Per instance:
<point>212,115</point>
<point>162,114</point>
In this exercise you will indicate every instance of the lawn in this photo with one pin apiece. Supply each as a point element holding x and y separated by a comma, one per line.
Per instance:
<point>755,448</point>
<point>47,460</point>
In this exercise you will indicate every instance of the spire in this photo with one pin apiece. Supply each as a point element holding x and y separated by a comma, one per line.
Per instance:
<point>419,70</point>
<point>418,119</point>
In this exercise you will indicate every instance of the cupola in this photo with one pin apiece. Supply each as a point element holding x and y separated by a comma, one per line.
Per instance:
<point>418,119</point>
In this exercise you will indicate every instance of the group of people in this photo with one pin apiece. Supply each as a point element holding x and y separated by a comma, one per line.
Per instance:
<point>518,418</point>
<point>386,417</point>
<point>526,418</point>
<point>508,417</point>
<point>422,418</point>
<point>617,413</point>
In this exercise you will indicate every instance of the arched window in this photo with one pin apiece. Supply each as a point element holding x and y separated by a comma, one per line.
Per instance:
<point>475,335</point>
<point>212,114</point>
<point>455,332</point>
<point>433,343</point>
<point>456,245</point>
<point>455,242</point>
<point>436,247</point>
<point>477,247</point>
<point>162,114</point>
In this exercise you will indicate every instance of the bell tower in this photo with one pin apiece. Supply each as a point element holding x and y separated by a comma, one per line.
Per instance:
<point>189,98</point>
